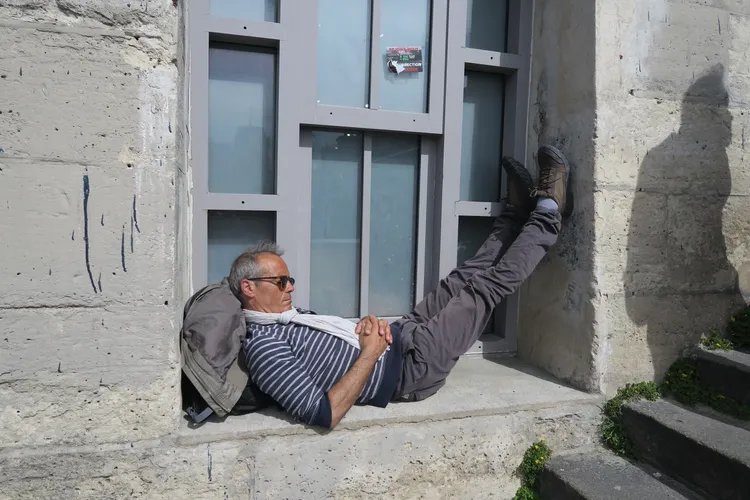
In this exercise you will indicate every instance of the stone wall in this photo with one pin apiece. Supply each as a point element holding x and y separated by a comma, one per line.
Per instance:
<point>558,315</point>
<point>653,255</point>
<point>673,216</point>
<point>88,96</point>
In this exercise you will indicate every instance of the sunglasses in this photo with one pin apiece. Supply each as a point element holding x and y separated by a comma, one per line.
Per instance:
<point>280,281</point>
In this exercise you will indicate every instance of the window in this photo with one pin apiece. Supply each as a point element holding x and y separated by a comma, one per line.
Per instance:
<point>242,119</point>
<point>486,24</point>
<point>354,37</point>
<point>374,183</point>
<point>256,10</point>
<point>404,24</point>
<point>344,52</point>
<point>231,233</point>
<point>364,197</point>
<point>393,224</point>
<point>336,223</point>
<point>481,136</point>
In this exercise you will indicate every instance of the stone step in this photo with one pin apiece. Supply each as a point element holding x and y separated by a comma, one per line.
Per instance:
<point>727,371</point>
<point>710,456</point>
<point>600,475</point>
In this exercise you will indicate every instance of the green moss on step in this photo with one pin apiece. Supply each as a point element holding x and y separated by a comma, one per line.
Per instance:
<point>525,493</point>
<point>612,431</point>
<point>716,342</point>
<point>683,383</point>
<point>738,329</point>
<point>531,466</point>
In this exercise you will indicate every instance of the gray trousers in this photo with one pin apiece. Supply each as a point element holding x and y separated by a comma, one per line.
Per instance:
<point>449,320</point>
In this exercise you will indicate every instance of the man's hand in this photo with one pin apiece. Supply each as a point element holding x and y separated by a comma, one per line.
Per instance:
<point>374,337</point>
<point>370,324</point>
<point>373,345</point>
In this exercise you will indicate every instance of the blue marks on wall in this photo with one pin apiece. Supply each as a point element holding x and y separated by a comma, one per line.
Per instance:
<point>86,193</point>
<point>135,216</point>
<point>122,249</point>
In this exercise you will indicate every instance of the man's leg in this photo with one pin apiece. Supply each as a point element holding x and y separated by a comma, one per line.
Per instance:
<point>506,228</point>
<point>433,348</point>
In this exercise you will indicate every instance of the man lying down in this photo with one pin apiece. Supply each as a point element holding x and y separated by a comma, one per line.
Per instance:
<point>316,367</point>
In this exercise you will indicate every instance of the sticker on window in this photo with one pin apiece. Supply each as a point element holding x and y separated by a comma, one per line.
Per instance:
<point>404,59</point>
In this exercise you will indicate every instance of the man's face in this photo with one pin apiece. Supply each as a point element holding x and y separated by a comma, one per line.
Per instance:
<point>269,295</point>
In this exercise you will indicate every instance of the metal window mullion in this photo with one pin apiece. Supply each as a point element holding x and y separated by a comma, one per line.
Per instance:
<point>426,152</point>
<point>490,61</point>
<point>246,29</point>
<point>451,160</point>
<point>517,114</point>
<point>198,81</point>
<point>375,63</point>
<point>438,37</point>
<point>364,267</point>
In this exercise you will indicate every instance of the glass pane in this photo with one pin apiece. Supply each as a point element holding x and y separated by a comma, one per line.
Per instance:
<point>344,52</point>
<point>472,231</point>
<point>393,224</point>
<point>231,233</point>
<point>487,24</point>
<point>241,121</point>
<point>404,24</point>
<point>336,223</point>
<point>481,144</point>
<point>256,10</point>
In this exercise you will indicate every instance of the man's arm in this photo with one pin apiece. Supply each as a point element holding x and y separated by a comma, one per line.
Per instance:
<point>278,373</point>
<point>345,392</point>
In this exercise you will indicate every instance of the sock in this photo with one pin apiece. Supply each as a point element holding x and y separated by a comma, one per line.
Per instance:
<point>547,203</point>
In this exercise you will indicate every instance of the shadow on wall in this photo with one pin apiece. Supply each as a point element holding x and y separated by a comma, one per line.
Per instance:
<point>676,254</point>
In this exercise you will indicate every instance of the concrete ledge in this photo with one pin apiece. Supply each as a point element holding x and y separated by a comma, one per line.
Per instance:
<point>477,387</point>
<point>465,442</point>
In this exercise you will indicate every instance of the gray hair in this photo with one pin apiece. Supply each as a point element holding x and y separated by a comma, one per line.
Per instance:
<point>246,266</point>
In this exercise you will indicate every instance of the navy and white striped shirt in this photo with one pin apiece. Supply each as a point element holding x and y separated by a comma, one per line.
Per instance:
<point>297,366</point>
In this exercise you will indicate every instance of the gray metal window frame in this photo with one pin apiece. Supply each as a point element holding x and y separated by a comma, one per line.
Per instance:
<point>294,38</point>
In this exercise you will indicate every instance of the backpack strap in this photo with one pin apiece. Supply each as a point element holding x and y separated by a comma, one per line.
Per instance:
<point>198,417</point>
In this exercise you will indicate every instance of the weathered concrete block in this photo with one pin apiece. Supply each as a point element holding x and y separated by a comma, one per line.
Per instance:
<point>697,252</point>
<point>653,59</point>
<point>54,81</point>
<point>69,220</point>
<point>556,316</point>
<point>156,18</point>
<point>85,375</point>
<point>87,97</point>
<point>145,470</point>
<point>473,457</point>
<point>555,323</point>
<point>668,147</point>
<point>739,53</point>
<point>642,335</point>
<point>736,227</point>
<point>633,239</point>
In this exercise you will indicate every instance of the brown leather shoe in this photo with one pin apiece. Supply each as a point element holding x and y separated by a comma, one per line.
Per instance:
<point>520,185</point>
<point>554,173</point>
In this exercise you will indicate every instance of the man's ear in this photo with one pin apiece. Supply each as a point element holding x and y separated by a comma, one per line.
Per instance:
<point>248,288</point>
